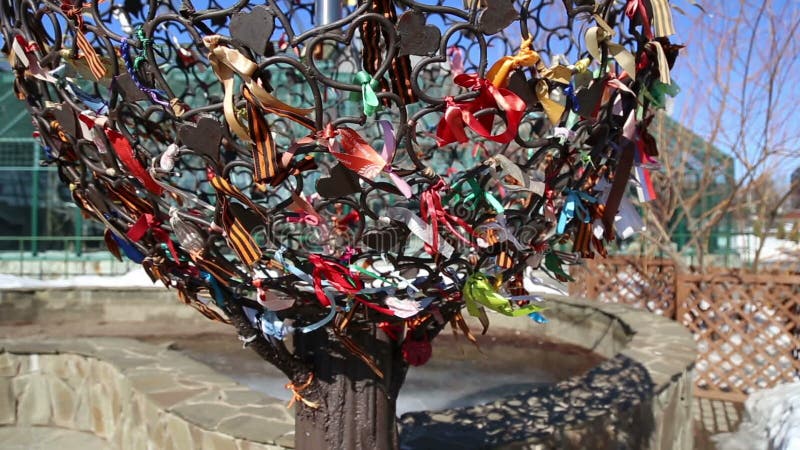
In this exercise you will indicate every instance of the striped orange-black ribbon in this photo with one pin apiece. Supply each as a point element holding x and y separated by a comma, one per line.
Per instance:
<point>400,68</point>
<point>204,309</point>
<point>224,186</point>
<point>504,260</point>
<point>130,200</point>
<point>238,238</point>
<point>219,271</point>
<point>92,59</point>
<point>582,239</point>
<point>265,161</point>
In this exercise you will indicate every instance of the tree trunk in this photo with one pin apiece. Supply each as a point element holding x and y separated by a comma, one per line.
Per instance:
<point>356,406</point>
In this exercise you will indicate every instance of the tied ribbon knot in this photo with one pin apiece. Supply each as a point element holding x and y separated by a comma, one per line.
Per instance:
<point>296,390</point>
<point>637,6</point>
<point>369,98</point>
<point>479,293</point>
<point>527,57</point>
<point>433,212</point>
<point>149,222</point>
<point>462,114</point>
<point>573,206</point>
<point>338,277</point>
<point>75,13</point>
<point>500,71</point>
<point>226,62</point>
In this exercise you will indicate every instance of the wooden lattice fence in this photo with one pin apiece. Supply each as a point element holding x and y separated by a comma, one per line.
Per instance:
<point>747,326</point>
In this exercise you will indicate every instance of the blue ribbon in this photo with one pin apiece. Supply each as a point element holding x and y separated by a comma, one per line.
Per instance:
<point>271,325</point>
<point>219,297</point>
<point>96,104</point>
<point>569,91</point>
<point>573,206</point>
<point>538,317</point>
<point>130,251</point>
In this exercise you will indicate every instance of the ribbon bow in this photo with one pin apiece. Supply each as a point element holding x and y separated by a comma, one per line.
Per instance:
<point>369,98</point>
<point>460,114</point>
<point>500,71</point>
<point>433,212</point>
<point>597,35</point>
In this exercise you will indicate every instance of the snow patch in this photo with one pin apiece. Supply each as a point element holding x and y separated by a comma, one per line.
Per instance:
<point>134,278</point>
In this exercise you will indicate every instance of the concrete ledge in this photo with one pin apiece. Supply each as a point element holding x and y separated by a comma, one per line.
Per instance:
<point>26,305</point>
<point>135,396</point>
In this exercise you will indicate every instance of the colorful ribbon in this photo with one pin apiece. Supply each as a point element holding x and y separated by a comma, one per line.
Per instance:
<point>573,206</point>
<point>125,154</point>
<point>358,156</point>
<point>75,14</point>
<point>458,115</point>
<point>369,98</point>
<point>478,292</point>
<point>432,211</point>
<point>226,62</point>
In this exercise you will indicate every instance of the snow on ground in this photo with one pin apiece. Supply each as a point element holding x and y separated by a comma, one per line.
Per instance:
<point>774,249</point>
<point>134,278</point>
<point>772,421</point>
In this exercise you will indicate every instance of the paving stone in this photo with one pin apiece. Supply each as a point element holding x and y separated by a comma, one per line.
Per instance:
<point>168,399</point>
<point>63,402</point>
<point>8,414</point>
<point>9,364</point>
<point>33,399</point>
<point>254,428</point>
<point>205,415</point>
<point>178,430</point>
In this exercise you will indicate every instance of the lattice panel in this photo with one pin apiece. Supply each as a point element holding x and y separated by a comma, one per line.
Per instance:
<point>643,284</point>
<point>747,329</point>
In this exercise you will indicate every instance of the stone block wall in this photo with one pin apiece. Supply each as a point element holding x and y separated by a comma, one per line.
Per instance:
<point>135,396</point>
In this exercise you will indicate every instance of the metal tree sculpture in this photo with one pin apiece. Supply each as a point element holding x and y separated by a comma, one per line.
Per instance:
<point>348,176</point>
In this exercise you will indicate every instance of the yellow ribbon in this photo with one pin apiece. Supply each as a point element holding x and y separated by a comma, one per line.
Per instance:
<point>526,57</point>
<point>226,62</point>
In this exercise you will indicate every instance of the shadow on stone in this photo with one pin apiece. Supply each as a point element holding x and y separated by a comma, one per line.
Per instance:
<point>608,407</point>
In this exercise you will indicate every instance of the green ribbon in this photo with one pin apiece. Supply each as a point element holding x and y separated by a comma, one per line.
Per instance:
<point>478,292</point>
<point>659,91</point>
<point>368,96</point>
<point>553,263</point>
<point>141,57</point>
<point>477,191</point>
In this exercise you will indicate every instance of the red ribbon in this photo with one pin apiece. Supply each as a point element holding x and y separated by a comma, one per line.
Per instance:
<point>149,222</point>
<point>304,218</point>
<point>124,151</point>
<point>635,6</point>
<point>334,273</point>
<point>461,114</point>
<point>433,212</point>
